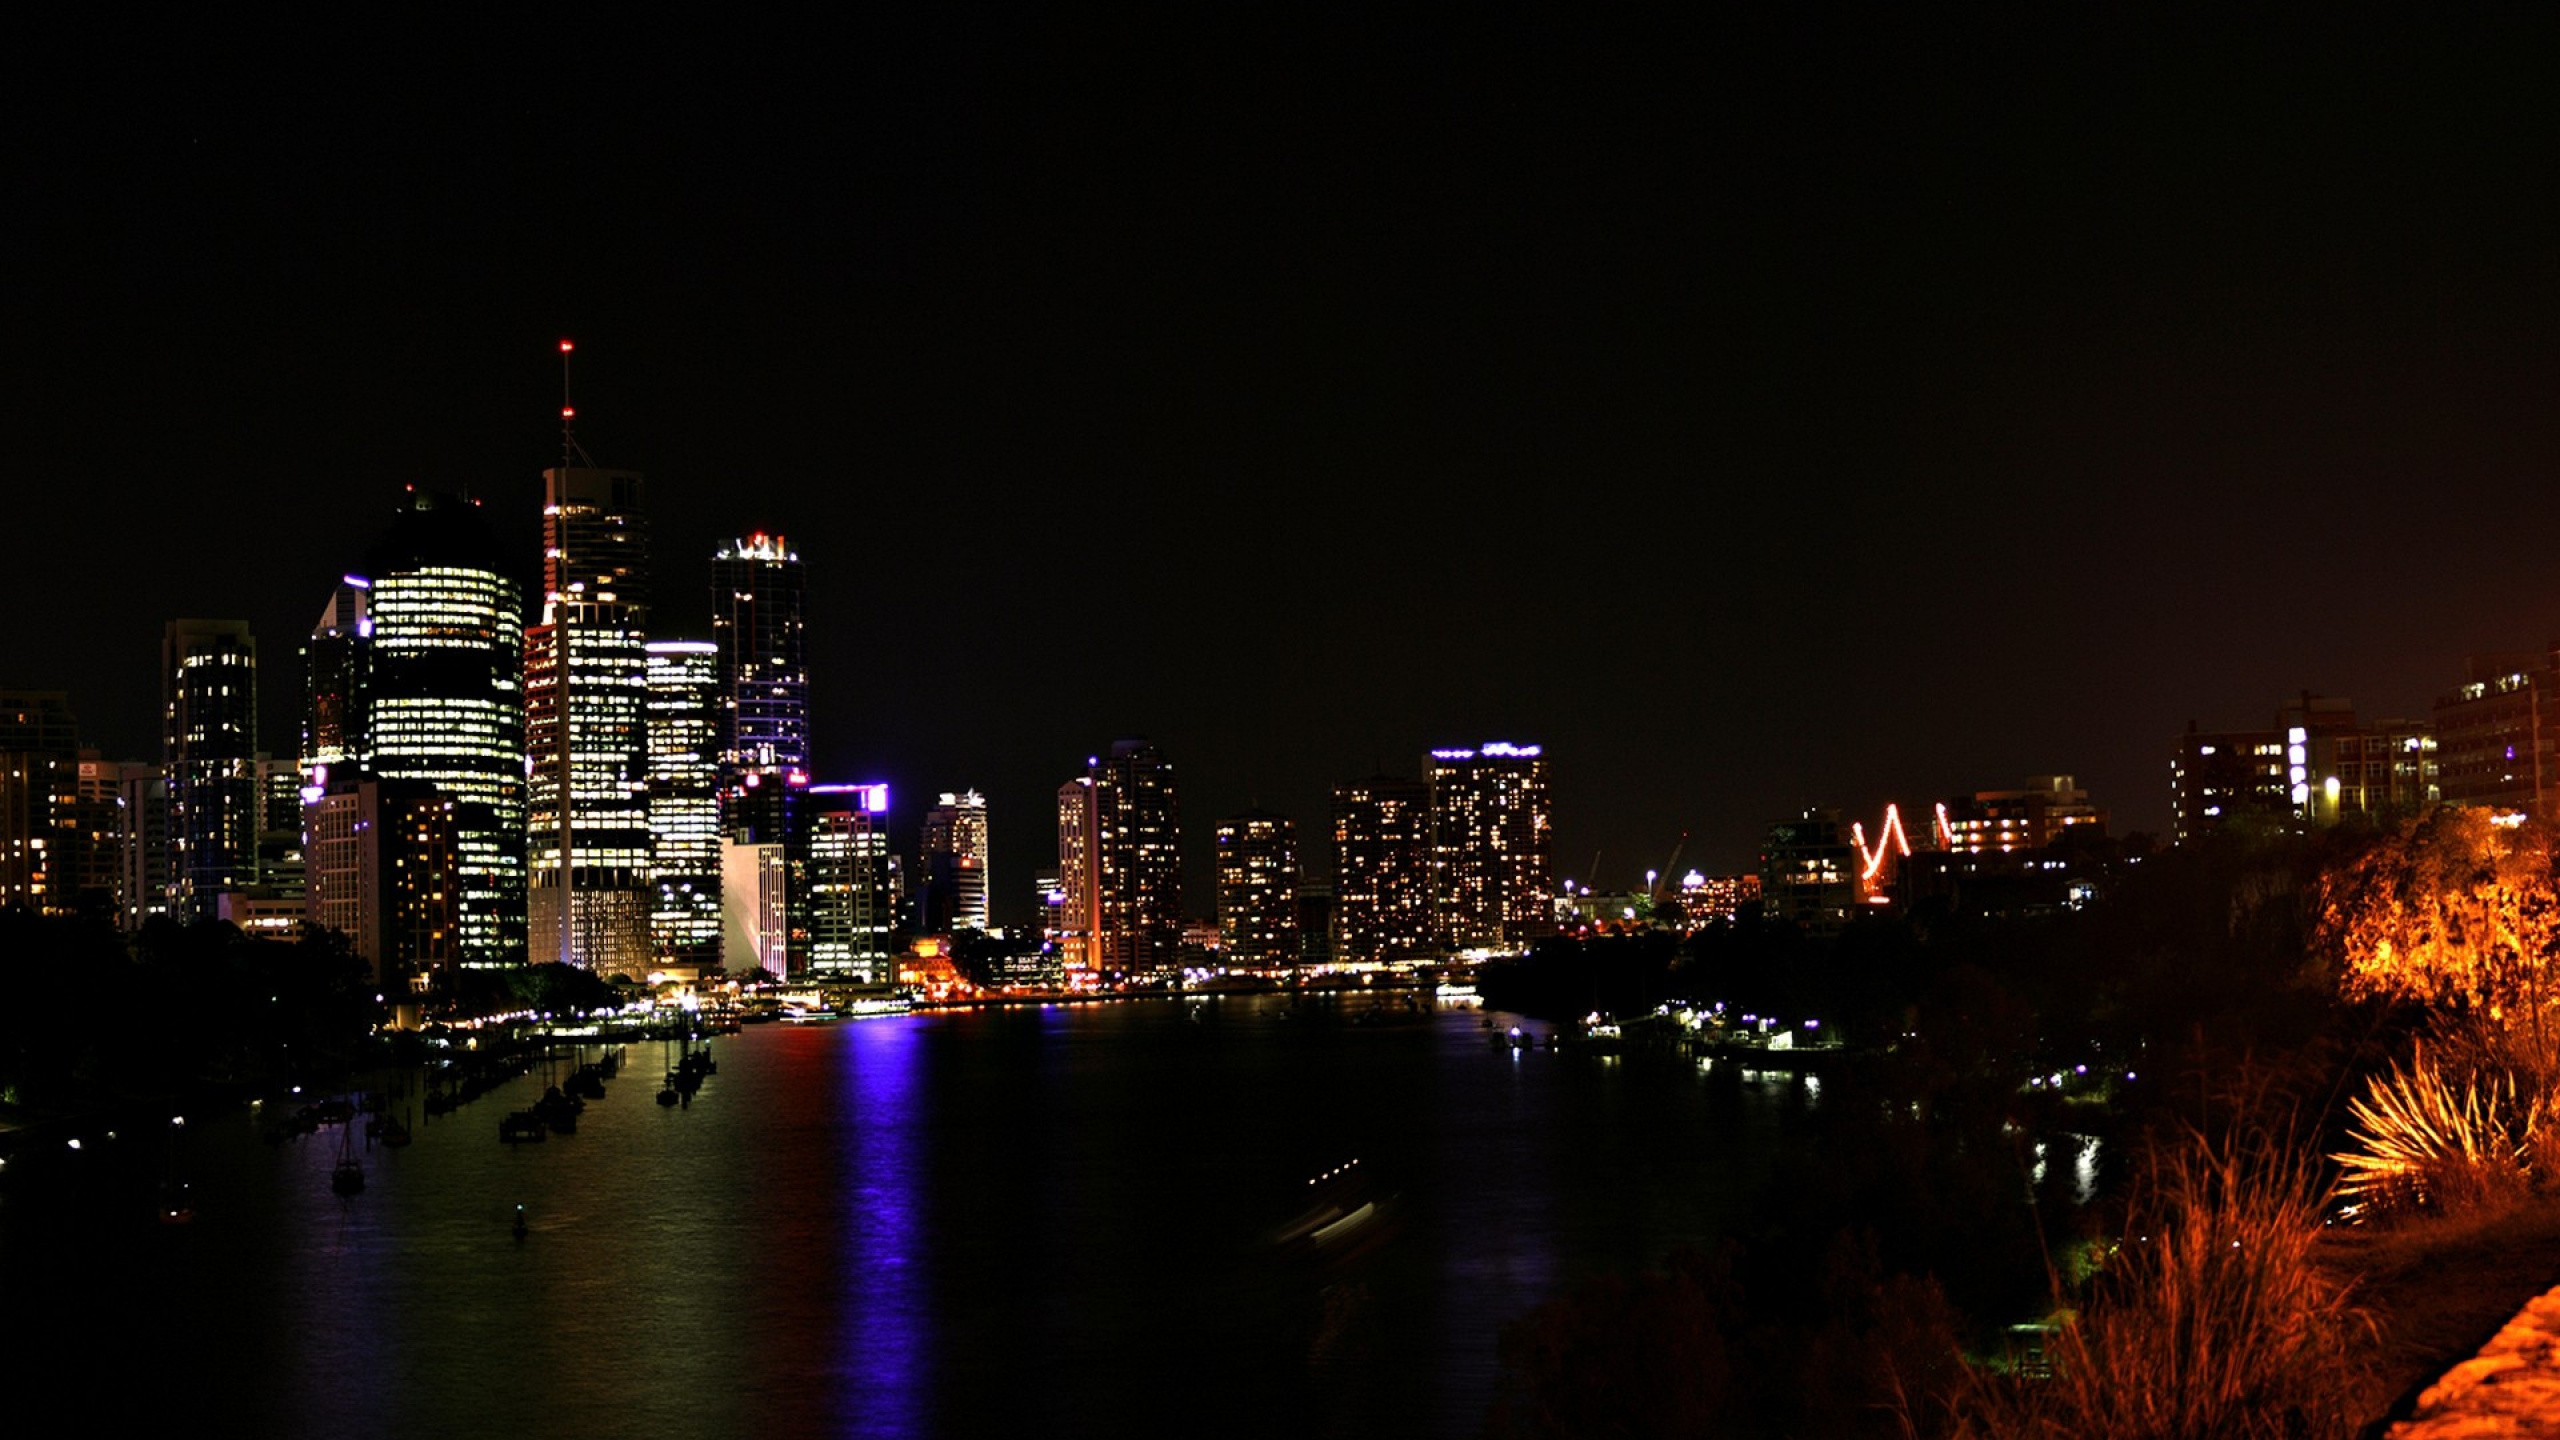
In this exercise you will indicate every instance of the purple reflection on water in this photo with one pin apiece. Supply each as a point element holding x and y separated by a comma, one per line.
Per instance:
<point>884,1328</point>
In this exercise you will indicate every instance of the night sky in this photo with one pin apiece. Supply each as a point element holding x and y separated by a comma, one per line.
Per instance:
<point>1812,409</point>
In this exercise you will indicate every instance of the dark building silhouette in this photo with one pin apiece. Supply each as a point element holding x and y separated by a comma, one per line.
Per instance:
<point>40,850</point>
<point>209,752</point>
<point>1809,873</point>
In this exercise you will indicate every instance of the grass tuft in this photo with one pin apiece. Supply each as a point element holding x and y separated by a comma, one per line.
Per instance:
<point>2426,1146</point>
<point>2211,1321</point>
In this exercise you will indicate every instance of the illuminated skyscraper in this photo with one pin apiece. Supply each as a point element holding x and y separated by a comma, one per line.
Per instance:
<point>1493,883</point>
<point>1119,864</point>
<point>209,748</point>
<point>1382,870</point>
<point>1069,906</point>
<point>1258,890</point>
<point>757,587</point>
<point>955,863</point>
<point>684,804</point>
<point>586,717</point>
<point>443,708</point>
<point>842,895</point>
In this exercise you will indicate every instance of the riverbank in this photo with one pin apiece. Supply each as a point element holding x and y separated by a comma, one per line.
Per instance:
<point>2440,1292</point>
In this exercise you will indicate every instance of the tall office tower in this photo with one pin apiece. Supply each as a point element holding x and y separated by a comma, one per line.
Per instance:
<point>208,748</point>
<point>1382,871</point>
<point>955,864</point>
<point>2498,736</point>
<point>1493,883</point>
<point>757,587</point>
<point>1120,864</point>
<point>445,706</point>
<point>755,907</point>
<point>1315,921</point>
<point>587,858</point>
<point>1049,898</point>
<point>279,785</point>
<point>684,805</point>
<point>98,869</point>
<point>382,869</point>
<point>337,669</point>
<point>39,801</point>
<point>142,844</point>
<point>1070,903</point>
<point>842,897</point>
<point>1258,890</point>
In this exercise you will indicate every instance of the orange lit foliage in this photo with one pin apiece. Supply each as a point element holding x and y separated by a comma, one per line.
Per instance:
<point>2451,910</point>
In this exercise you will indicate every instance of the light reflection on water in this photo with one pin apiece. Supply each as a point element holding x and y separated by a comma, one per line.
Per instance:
<point>1052,1220</point>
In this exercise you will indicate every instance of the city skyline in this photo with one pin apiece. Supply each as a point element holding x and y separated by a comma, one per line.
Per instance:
<point>1730,410</point>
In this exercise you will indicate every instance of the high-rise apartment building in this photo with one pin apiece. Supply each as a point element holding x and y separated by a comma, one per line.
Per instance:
<point>98,863</point>
<point>39,801</point>
<point>2498,736</point>
<point>440,705</point>
<point>1382,871</point>
<point>684,805</point>
<point>955,864</point>
<point>586,727</point>
<point>1493,885</point>
<point>142,844</point>
<point>209,750</point>
<point>1258,891</point>
<point>1120,868</point>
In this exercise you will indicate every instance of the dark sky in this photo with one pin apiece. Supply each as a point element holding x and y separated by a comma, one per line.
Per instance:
<point>1813,408</point>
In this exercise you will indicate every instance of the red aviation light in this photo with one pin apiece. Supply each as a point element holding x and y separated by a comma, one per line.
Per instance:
<point>566,347</point>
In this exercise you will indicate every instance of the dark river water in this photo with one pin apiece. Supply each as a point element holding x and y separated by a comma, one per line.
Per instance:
<point>1026,1222</point>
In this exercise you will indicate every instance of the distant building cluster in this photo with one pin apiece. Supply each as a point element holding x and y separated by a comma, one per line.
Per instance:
<point>480,787</point>
<point>1456,863</point>
<point>2493,741</point>
<point>483,783</point>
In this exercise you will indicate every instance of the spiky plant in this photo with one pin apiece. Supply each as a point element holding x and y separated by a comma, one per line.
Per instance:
<point>2424,1143</point>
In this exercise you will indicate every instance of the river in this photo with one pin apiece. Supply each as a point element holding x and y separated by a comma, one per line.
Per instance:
<point>1052,1221</point>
